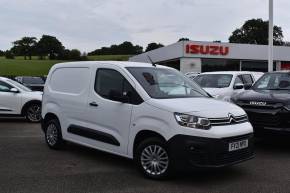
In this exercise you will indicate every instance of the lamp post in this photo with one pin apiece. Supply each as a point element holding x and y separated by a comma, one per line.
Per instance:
<point>270,49</point>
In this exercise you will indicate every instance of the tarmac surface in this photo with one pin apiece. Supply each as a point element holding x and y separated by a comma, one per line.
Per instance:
<point>27,165</point>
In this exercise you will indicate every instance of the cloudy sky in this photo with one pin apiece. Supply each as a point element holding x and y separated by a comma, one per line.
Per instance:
<point>90,24</point>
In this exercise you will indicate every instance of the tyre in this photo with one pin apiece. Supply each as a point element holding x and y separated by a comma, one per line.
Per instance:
<point>53,136</point>
<point>33,113</point>
<point>153,159</point>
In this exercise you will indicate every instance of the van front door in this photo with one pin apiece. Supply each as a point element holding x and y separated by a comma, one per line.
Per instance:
<point>109,110</point>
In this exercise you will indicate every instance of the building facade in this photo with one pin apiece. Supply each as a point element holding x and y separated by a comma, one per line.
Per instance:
<point>196,56</point>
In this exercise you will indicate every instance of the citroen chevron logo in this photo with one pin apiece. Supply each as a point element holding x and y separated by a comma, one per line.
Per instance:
<point>231,118</point>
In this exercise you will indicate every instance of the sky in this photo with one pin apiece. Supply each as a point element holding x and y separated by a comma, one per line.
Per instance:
<point>91,24</point>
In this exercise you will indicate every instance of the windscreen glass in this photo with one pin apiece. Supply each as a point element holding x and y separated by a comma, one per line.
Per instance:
<point>273,81</point>
<point>18,85</point>
<point>164,83</point>
<point>214,80</point>
<point>33,80</point>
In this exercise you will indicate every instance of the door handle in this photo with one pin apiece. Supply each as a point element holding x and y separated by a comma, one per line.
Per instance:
<point>94,104</point>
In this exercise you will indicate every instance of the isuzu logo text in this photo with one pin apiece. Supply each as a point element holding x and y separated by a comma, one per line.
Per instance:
<point>206,49</point>
<point>258,103</point>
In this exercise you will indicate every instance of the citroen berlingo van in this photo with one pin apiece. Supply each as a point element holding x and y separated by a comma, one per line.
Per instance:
<point>150,113</point>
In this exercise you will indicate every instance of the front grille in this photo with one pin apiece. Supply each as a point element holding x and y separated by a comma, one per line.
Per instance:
<point>231,157</point>
<point>228,120</point>
<point>264,119</point>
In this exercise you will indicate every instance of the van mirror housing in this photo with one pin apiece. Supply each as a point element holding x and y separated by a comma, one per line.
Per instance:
<point>14,90</point>
<point>116,95</point>
<point>238,86</point>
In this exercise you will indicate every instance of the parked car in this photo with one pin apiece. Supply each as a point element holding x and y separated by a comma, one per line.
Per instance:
<point>18,100</point>
<point>35,83</point>
<point>152,114</point>
<point>192,75</point>
<point>268,103</point>
<point>223,85</point>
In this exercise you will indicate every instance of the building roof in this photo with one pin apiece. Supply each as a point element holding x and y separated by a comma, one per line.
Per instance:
<point>235,51</point>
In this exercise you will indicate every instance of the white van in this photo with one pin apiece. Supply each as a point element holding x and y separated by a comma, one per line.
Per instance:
<point>149,113</point>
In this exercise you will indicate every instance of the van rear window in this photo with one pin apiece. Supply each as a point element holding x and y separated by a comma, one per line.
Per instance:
<point>70,80</point>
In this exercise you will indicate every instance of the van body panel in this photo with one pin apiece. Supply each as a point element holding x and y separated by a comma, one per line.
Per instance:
<point>89,119</point>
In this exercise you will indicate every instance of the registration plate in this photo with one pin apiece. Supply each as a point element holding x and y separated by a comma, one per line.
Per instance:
<point>234,146</point>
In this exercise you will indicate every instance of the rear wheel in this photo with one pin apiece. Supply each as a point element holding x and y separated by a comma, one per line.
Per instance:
<point>33,112</point>
<point>53,136</point>
<point>153,159</point>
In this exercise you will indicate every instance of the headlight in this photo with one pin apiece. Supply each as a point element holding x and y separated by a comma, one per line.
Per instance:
<point>227,99</point>
<point>192,121</point>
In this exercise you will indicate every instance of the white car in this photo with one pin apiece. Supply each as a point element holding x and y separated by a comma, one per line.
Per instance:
<point>224,85</point>
<point>152,114</point>
<point>18,100</point>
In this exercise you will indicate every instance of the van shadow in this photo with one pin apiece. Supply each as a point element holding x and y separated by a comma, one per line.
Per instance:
<point>12,119</point>
<point>199,177</point>
<point>273,143</point>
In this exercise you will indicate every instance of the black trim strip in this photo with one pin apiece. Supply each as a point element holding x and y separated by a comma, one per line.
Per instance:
<point>93,134</point>
<point>6,110</point>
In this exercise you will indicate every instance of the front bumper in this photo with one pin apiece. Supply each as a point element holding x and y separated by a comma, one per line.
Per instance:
<point>208,152</point>
<point>276,120</point>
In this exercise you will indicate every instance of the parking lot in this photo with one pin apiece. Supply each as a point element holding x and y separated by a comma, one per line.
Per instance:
<point>28,165</point>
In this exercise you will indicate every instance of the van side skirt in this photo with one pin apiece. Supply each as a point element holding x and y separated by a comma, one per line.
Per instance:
<point>93,134</point>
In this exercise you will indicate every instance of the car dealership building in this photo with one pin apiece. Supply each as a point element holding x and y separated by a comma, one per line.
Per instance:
<point>195,56</point>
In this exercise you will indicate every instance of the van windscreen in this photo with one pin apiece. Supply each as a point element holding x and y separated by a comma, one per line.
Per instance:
<point>165,83</point>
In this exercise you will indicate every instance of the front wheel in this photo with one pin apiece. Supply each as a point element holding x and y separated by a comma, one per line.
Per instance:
<point>33,113</point>
<point>153,159</point>
<point>53,135</point>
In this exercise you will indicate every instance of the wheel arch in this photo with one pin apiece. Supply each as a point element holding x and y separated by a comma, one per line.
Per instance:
<point>27,104</point>
<point>48,116</point>
<point>145,134</point>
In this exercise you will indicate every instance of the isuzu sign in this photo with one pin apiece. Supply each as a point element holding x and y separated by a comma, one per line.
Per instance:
<point>207,49</point>
<point>258,103</point>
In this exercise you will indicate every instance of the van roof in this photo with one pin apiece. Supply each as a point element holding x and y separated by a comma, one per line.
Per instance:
<point>3,78</point>
<point>93,63</point>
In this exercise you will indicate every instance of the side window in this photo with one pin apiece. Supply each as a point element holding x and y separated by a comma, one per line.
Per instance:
<point>248,79</point>
<point>108,80</point>
<point>238,80</point>
<point>4,87</point>
<point>70,80</point>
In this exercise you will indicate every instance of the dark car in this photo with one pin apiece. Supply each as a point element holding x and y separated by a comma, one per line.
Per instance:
<point>267,103</point>
<point>34,83</point>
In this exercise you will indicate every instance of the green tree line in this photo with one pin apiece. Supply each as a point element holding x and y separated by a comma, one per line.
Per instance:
<point>253,31</point>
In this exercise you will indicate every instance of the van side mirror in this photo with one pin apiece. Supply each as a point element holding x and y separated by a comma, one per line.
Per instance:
<point>14,90</point>
<point>116,95</point>
<point>248,86</point>
<point>238,86</point>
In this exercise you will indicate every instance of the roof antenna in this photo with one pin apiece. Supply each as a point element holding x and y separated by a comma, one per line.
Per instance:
<point>151,61</point>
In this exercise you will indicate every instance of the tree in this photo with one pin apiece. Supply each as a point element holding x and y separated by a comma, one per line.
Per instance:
<point>183,39</point>
<point>2,53</point>
<point>9,55</point>
<point>153,46</point>
<point>125,48</point>
<point>75,54</point>
<point>24,46</point>
<point>49,46</point>
<point>255,31</point>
